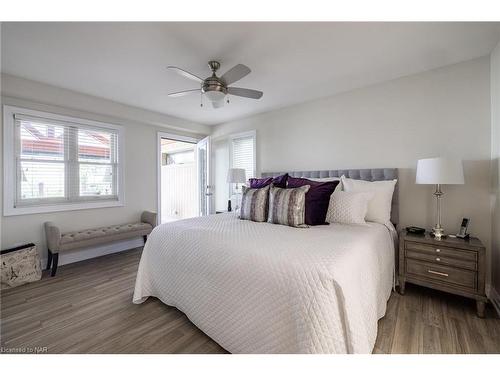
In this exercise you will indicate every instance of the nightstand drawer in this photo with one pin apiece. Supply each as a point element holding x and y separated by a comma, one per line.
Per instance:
<point>448,275</point>
<point>439,258</point>
<point>442,251</point>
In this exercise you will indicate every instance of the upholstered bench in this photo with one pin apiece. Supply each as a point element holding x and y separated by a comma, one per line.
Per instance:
<point>58,242</point>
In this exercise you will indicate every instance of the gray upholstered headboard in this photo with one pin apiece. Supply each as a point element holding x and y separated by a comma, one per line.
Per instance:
<point>377,174</point>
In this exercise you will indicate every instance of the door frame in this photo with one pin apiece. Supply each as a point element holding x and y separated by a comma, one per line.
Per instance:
<point>208,189</point>
<point>173,137</point>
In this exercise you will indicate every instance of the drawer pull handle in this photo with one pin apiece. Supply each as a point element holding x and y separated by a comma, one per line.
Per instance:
<point>438,259</point>
<point>438,250</point>
<point>438,273</point>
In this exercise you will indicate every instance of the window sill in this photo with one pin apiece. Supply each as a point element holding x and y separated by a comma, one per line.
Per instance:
<point>12,211</point>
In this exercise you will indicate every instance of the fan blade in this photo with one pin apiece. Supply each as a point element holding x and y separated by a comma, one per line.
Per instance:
<point>185,73</point>
<point>183,93</point>
<point>236,73</point>
<point>218,104</point>
<point>246,93</point>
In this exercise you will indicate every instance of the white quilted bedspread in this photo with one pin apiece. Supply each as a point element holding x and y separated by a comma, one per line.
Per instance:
<point>266,288</point>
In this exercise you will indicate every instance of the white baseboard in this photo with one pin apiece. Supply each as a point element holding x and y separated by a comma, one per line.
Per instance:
<point>96,251</point>
<point>495,300</point>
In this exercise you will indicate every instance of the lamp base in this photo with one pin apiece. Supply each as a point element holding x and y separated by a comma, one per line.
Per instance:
<point>438,232</point>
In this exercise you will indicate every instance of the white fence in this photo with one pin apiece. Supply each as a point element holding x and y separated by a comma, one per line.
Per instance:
<point>179,199</point>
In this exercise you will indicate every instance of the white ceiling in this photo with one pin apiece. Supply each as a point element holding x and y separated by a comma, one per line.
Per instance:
<point>290,62</point>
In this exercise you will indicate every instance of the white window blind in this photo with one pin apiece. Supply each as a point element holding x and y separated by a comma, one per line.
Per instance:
<point>63,162</point>
<point>242,154</point>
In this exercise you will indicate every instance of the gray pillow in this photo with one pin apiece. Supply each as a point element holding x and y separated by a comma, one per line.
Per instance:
<point>254,204</point>
<point>288,206</point>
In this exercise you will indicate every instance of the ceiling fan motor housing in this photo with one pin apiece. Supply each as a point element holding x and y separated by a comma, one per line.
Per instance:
<point>214,84</point>
<point>214,87</point>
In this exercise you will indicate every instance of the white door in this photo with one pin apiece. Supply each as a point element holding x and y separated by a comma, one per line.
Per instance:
<point>205,187</point>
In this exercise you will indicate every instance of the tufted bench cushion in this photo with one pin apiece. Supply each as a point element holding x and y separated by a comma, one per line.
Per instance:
<point>58,242</point>
<point>89,237</point>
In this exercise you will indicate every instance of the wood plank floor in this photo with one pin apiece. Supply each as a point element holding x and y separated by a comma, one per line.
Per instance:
<point>87,308</point>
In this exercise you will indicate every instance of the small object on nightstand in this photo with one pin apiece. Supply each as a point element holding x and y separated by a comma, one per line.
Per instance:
<point>463,229</point>
<point>415,230</point>
<point>229,208</point>
<point>448,264</point>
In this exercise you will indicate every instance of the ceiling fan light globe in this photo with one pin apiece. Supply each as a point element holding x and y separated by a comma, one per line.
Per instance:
<point>215,96</point>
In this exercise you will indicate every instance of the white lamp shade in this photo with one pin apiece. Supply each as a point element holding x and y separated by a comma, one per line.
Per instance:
<point>236,176</point>
<point>445,171</point>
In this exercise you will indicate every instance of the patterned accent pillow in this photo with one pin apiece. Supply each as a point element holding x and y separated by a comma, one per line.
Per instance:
<point>288,206</point>
<point>348,207</point>
<point>254,204</point>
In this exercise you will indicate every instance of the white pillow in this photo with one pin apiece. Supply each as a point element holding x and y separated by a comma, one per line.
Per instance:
<point>379,208</point>
<point>347,207</point>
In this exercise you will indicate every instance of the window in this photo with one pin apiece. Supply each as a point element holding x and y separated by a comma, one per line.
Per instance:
<point>242,154</point>
<point>55,163</point>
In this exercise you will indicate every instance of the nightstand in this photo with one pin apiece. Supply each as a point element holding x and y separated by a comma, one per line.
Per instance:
<point>451,265</point>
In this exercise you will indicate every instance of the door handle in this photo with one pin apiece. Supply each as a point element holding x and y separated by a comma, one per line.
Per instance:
<point>207,190</point>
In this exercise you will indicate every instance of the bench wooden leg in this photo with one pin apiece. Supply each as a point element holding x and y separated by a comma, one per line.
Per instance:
<point>54,264</point>
<point>49,259</point>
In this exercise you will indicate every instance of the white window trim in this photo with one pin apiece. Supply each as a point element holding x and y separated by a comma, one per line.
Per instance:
<point>9,170</point>
<point>250,133</point>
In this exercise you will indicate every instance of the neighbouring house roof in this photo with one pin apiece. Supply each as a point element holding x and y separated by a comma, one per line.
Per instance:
<point>91,144</point>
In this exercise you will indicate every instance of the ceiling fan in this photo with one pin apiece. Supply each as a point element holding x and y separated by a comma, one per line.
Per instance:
<point>216,88</point>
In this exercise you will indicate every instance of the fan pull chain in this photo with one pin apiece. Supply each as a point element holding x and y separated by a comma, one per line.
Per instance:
<point>201,98</point>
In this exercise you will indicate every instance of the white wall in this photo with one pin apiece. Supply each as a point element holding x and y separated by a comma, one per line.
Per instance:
<point>495,169</point>
<point>440,112</point>
<point>141,129</point>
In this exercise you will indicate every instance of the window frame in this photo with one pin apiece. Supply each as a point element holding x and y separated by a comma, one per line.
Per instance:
<point>10,183</point>
<point>231,138</point>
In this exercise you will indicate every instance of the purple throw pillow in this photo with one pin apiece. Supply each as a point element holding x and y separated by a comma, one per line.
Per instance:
<point>279,181</point>
<point>317,198</point>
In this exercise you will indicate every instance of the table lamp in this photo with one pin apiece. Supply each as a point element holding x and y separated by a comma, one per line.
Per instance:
<point>439,171</point>
<point>235,176</point>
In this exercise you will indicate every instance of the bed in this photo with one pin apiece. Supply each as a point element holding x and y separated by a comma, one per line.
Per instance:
<point>266,288</point>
